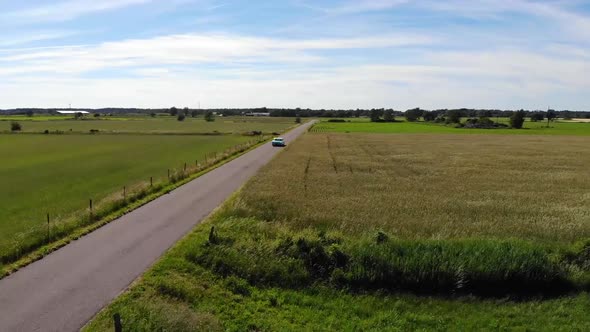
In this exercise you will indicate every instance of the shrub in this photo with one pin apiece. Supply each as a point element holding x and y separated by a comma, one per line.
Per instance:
<point>209,116</point>
<point>517,119</point>
<point>298,119</point>
<point>180,116</point>
<point>15,126</point>
<point>337,120</point>
<point>413,114</point>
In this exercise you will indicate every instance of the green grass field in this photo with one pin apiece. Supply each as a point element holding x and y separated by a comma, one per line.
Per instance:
<point>363,125</point>
<point>386,232</point>
<point>147,125</point>
<point>58,174</point>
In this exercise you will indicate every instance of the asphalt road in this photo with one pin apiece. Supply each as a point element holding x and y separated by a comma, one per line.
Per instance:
<point>67,288</point>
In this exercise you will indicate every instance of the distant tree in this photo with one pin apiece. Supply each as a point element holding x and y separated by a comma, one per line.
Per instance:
<point>567,115</point>
<point>209,116</point>
<point>96,115</point>
<point>78,115</point>
<point>298,119</point>
<point>517,119</point>
<point>484,113</point>
<point>194,113</point>
<point>551,115</point>
<point>388,116</point>
<point>30,113</point>
<point>538,116</point>
<point>15,126</point>
<point>173,111</point>
<point>186,111</point>
<point>413,114</point>
<point>180,116</point>
<point>376,115</point>
<point>428,116</point>
<point>453,116</point>
<point>153,115</point>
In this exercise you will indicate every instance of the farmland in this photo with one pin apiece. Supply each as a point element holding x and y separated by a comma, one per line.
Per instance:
<point>58,173</point>
<point>363,125</point>
<point>147,125</point>
<point>351,231</point>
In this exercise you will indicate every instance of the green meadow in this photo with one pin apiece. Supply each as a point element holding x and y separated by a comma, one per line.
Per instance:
<point>58,174</point>
<point>363,125</point>
<point>147,125</point>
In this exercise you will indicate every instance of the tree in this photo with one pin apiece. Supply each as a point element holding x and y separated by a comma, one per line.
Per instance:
<point>194,113</point>
<point>376,115</point>
<point>78,115</point>
<point>537,117</point>
<point>517,119</point>
<point>186,111</point>
<point>173,111</point>
<point>15,126</point>
<point>388,116</point>
<point>30,113</point>
<point>550,116</point>
<point>453,116</point>
<point>209,116</point>
<point>414,114</point>
<point>298,119</point>
<point>96,115</point>
<point>153,115</point>
<point>181,116</point>
<point>428,116</point>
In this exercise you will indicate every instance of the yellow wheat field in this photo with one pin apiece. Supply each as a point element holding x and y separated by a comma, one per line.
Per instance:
<point>430,186</point>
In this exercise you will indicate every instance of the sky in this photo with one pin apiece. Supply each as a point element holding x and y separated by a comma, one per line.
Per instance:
<point>333,54</point>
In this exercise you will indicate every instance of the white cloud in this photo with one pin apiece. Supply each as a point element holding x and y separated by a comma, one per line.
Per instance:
<point>66,10</point>
<point>192,49</point>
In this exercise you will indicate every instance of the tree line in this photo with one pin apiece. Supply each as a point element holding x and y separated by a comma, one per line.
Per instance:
<point>383,113</point>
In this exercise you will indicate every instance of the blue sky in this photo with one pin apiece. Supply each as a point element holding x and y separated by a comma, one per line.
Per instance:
<point>295,53</point>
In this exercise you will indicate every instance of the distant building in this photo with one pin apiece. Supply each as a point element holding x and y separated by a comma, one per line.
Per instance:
<point>72,112</point>
<point>257,114</point>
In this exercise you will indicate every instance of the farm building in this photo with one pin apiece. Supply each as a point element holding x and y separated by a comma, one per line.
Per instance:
<point>72,112</point>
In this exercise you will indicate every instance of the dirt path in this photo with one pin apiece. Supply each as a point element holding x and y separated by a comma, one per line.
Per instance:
<point>67,288</point>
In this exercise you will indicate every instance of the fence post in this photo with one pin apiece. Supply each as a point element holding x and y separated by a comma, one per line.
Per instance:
<point>124,192</point>
<point>185,167</point>
<point>196,163</point>
<point>90,203</point>
<point>48,229</point>
<point>151,181</point>
<point>118,325</point>
<point>168,174</point>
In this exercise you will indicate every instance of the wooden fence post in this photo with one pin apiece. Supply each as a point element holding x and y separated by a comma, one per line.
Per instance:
<point>151,181</point>
<point>48,229</point>
<point>90,206</point>
<point>124,192</point>
<point>168,174</point>
<point>117,321</point>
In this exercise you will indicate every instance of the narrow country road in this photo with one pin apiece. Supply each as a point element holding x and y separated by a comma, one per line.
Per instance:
<point>68,287</point>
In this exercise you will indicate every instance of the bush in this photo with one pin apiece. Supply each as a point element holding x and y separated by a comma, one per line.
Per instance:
<point>266,255</point>
<point>517,119</point>
<point>209,116</point>
<point>15,126</point>
<point>337,120</point>
<point>298,119</point>
<point>483,123</point>
<point>180,117</point>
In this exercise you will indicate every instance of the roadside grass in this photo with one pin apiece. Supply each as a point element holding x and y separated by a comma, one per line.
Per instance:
<point>386,232</point>
<point>57,175</point>
<point>363,125</point>
<point>148,125</point>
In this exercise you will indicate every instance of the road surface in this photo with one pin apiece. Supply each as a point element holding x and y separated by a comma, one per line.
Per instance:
<point>68,287</point>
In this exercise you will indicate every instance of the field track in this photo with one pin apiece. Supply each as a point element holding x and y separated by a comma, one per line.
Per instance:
<point>68,287</point>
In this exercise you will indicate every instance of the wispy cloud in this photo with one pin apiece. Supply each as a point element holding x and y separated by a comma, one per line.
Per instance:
<point>192,49</point>
<point>67,10</point>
